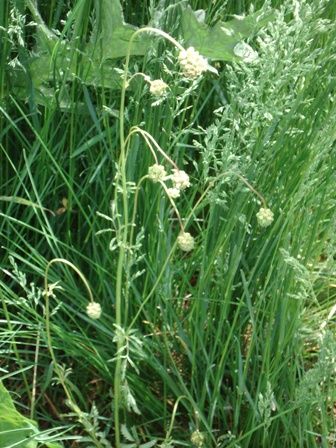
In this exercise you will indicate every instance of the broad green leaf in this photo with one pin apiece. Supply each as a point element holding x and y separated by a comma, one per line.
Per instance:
<point>218,42</point>
<point>14,427</point>
<point>108,41</point>
<point>62,67</point>
<point>56,60</point>
<point>115,34</point>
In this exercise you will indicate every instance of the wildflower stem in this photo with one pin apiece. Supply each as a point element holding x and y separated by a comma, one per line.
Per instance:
<point>212,184</point>
<point>37,350</point>
<point>161,33</point>
<point>58,371</point>
<point>122,251</point>
<point>173,204</point>
<point>47,317</point>
<point>148,137</point>
<point>145,77</point>
<point>250,187</point>
<point>136,130</point>
<point>172,421</point>
<point>136,196</point>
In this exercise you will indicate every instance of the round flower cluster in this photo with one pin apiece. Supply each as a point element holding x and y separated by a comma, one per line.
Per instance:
<point>192,63</point>
<point>173,193</point>
<point>197,438</point>
<point>158,87</point>
<point>265,217</point>
<point>94,310</point>
<point>245,52</point>
<point>157,173</point>
<point>180,179</point>
<point>185,241</point>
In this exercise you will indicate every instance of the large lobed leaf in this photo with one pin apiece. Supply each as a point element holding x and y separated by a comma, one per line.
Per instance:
<point>56,59</point>
<point>14,427</point>
<point>115,33</point>
<point>218,42</point>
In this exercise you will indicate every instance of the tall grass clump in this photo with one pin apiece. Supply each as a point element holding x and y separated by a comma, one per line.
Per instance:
<point>167,224</point>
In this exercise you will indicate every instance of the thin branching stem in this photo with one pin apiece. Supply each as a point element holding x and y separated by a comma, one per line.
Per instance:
<point>58,370</point>
<point>122,250</point>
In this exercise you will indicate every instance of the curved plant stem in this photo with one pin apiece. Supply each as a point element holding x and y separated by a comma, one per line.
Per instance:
<point>173,205</point>
<point>124,237</point>
<point>59,373</point>
<point>143,134</point>
<point>172,421</point>
<point>37,350</point>
<point>149,138</point>
<point>135,206</point>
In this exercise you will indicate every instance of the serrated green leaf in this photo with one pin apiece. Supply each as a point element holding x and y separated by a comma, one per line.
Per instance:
<point>125,432</point>
<point>218,42</point>
<point>115,34</point>
<point>149,444</point>
<point>55,59</point>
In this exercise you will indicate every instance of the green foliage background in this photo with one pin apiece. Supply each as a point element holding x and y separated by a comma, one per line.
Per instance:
<point>234,341</point>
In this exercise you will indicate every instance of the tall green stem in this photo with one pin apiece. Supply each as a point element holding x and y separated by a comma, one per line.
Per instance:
<point>59,373</point>
<point>124,238</point>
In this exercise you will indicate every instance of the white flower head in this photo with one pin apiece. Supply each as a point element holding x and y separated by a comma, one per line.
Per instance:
<point>157,173</point>
<point>197,438</point>
<point>94,310</point>
<point>185,241</point>
<point>192,63</point>
<point>265,217</point>
<point>180,179</point>
<point>173,192</point>
<point>245,52</point>
<point>158,87</point>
